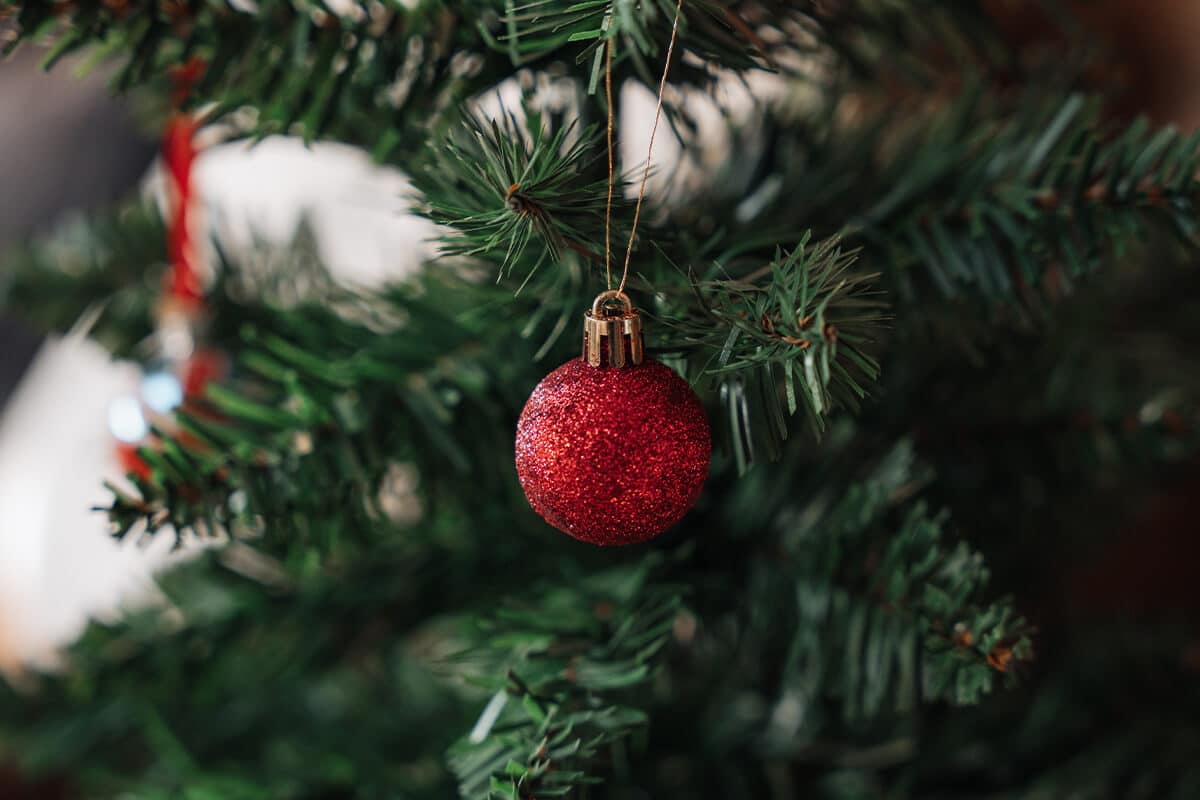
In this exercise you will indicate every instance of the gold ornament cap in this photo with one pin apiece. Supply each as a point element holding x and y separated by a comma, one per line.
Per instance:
<point>612,331</point>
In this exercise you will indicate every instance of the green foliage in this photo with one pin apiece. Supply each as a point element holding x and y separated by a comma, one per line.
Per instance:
<point>1043,196</point>
<point>325,406</point>
<point>364,73</point>
<point>326,399</point>
<point>567,653</point>
<point>388,73</point>
<point>716,31</point>
<point>253,656</point>
<point>371,614</point>
<point>771,341</point>
<point>1073,734</point>
<point>883,610</point>
<point>380,74</point>
<point>518,183</point>
<point>993,201</point>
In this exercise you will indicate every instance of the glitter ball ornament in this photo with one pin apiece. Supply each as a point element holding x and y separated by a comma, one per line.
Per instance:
<point>611,448</point>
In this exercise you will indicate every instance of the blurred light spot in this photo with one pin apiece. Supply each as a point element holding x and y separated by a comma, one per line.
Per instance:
<point>162,391</point>
<point>126,421</point>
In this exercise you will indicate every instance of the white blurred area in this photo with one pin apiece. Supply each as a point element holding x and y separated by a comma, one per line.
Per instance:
<point>358,211</point>
<point>56,561</point>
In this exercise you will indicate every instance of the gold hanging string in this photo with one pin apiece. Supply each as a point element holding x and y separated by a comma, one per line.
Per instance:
<point>662,86</point>
<point>608,48</point>
<point>608,93</point>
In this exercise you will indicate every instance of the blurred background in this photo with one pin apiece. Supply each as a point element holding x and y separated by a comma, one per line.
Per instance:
<point>67,146</point>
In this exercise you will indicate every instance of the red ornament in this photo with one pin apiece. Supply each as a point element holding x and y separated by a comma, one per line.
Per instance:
<point>612,454</point>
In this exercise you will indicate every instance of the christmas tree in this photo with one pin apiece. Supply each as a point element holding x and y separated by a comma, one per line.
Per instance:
<point>924,270</point>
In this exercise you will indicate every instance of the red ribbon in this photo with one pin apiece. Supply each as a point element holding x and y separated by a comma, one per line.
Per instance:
<point>182,287</point>
<point>179,153</point>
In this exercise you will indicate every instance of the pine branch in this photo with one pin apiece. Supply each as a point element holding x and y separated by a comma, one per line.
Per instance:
<point>1051,388</point>
<point>993,201</point>
<point>758,335</point>
<point>382,75</point>
<point>324,405</point>
<point>876,609</point>
<point>517,190</point>
<point>1115,716</point>
<point>389,73</point>
<point>369,74</point>
<point>790,335</point>
<point>307,434</point>
<point>261,676</point>
<point>569,652</point>
<point>1023,205</point>
<point>1002,208</point>
<point>911,38</point>
<point>717,32</point>
<point>326,400</point>
<point>966,644</point>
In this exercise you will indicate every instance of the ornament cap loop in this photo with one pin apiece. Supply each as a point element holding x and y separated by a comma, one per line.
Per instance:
<point>611,295</point>
<point>612,331</point>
